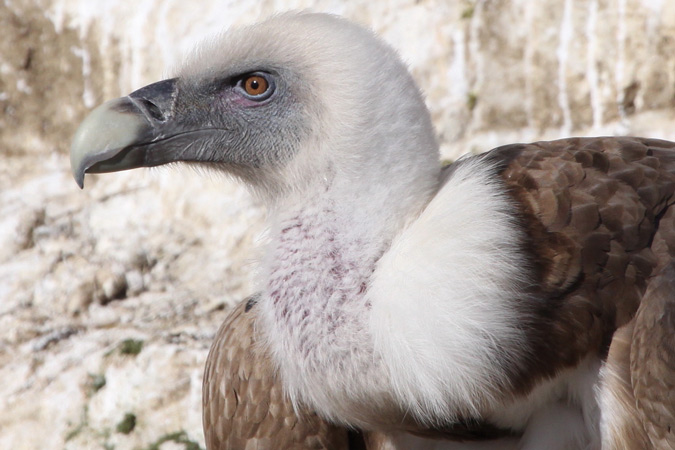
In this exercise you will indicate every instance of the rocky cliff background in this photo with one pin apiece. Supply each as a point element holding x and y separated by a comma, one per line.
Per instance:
<point>109,297</point>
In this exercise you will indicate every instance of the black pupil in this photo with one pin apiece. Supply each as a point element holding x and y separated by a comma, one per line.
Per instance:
<point>255,84</point>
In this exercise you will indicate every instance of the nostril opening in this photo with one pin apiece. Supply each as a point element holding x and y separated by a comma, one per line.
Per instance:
<point>153,110</point>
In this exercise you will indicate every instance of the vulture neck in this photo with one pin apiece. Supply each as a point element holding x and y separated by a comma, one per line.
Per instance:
<point>322,252</point>
<point>324,245</point>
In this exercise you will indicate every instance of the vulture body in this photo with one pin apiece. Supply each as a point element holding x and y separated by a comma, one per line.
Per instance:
<point>521,298</point>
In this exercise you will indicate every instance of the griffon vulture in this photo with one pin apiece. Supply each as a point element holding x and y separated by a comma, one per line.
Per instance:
<point>521,298</point>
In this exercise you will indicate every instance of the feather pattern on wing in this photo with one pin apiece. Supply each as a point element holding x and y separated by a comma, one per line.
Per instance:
<point>243,402</point>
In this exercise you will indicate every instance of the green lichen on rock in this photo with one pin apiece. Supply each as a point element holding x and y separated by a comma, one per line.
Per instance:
<point>471,100</point>
<point>127,424</point>
<point>81,426</point>
<point>179,437</point>
<point>96,382</point>
<point>468,12</point>
<point>131,347</point>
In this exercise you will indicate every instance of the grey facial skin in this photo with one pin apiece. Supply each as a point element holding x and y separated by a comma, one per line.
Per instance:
<point>206,121</point>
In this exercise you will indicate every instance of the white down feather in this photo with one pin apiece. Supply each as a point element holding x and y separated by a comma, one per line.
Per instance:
<point>442,299</point>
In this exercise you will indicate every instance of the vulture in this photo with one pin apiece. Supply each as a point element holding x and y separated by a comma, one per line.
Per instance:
<point>519,298</point>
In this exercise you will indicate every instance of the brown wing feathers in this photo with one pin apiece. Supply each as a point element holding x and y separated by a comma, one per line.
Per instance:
<point>602,227</point>
<point>243,404</point>
<point>652,360</point>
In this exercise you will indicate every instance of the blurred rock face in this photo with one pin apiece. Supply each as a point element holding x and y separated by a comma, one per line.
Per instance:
<point>109,297</point>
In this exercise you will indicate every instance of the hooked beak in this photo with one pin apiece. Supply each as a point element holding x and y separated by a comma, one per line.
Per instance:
<point>124,133</point>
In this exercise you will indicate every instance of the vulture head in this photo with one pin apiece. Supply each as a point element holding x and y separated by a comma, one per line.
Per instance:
<point>288,103</point>
<point>322,120</point>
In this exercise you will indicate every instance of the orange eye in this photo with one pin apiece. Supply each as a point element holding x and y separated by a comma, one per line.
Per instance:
<point>255,85</point>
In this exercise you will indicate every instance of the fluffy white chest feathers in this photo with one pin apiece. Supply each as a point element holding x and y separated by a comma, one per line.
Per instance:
<point>314,310</point>
<point>421,321</point>
<point>443,317</point>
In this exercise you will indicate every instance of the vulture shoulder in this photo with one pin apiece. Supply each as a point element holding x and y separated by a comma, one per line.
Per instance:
<point>652,360</point>
<point>243,402</point>
<point>638,380</point>
<point>602,237</point>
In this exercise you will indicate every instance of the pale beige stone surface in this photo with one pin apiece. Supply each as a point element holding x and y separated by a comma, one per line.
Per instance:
<point>159,255</point>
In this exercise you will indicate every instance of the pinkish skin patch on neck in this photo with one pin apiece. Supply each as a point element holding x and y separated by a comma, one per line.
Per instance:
<point>317,280</point>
